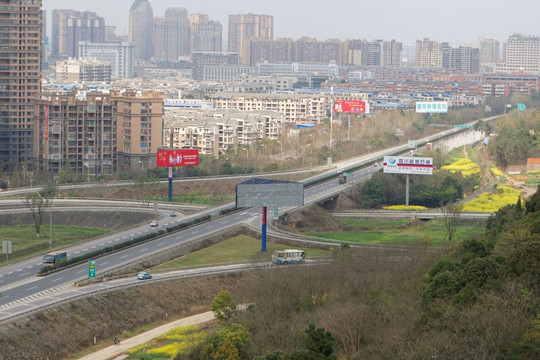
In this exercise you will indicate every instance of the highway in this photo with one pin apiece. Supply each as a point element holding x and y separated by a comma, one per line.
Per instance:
<point>19,285</point>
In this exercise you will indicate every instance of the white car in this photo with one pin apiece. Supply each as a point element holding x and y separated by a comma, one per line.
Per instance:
<point>154,223</point>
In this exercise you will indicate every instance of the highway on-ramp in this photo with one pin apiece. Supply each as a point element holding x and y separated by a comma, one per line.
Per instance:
<point>18,281</point>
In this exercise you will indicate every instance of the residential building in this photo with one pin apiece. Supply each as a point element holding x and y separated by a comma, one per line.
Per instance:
<point>206,35</point>
<point>20,65</point>
<point>171,35</point>
<point>75,131</point>
<point>119,55</point>
<point>392,53</point>
<point>293,107</point>
<point>521,54</point>
<point>83,70</point>
<point>97,133</point>
<point>214,132</point>
<point>201,60</point>
<point>139,125</point>
<point>141,28</point>
<point>244,27</point>
<point>224,74</point>
<point>69,27</point>
<point>489,54</point>
<point>428,54</point>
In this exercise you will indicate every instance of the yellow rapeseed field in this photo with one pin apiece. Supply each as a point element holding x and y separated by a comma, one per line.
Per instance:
<point>491,202</point>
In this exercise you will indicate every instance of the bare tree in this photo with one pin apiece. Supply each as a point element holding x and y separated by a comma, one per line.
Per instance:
<point>37,205</point>
<point>451,213</point>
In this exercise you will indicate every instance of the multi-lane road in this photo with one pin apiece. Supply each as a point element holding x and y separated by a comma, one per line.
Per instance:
<point>21,290</point>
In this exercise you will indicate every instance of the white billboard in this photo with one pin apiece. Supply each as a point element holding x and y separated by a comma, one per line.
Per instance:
<point>437,107</point>
<point>408,165</point>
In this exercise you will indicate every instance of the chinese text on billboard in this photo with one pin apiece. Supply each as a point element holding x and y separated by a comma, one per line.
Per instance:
<point>184,157</point>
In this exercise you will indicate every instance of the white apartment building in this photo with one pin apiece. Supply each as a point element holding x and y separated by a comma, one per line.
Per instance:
<point>293,107</point>
<point>119,55</point>
<point>521,54</point>
<point>428,54</point>
<point>212,132</point>
<point>77,71</point>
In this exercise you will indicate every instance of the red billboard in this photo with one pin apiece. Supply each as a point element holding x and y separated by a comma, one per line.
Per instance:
<point>349,106</point>
<point>184,157</point>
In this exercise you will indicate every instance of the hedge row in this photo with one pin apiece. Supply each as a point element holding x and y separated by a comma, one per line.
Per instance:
<point>93,254</point>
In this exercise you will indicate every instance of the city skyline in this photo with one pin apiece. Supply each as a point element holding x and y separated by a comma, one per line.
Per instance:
<point>460,23</point>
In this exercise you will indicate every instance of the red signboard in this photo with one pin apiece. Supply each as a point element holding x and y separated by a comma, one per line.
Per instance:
<point>349,106</point>
<point>182,157</point>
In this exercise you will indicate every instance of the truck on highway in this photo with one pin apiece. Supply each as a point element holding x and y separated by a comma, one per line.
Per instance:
<point>342,178</point>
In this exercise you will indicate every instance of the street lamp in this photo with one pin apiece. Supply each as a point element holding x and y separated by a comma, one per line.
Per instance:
<point>246,150</point>
<point>24,175</point>
<point>264,149</point>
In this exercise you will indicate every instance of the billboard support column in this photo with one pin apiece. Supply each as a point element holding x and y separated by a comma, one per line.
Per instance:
<point>263,230</point>
<point>170,183</point>
<point>407,190</point>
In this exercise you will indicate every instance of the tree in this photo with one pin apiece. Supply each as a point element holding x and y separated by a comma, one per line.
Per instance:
<point>223,306</point>
<point>319,341</point>
<point>450,216</point>
<point>37,205</point>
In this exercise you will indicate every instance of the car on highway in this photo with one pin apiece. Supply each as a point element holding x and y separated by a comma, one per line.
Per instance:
<point>154,223</point>
<point>143,276</point>
<point>173,214</point>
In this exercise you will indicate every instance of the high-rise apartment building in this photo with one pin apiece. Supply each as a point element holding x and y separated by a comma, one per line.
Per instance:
<point>428,54</point>
<point>97,133</point>
<point>206,35</point>
<point>489,51</point>
<point>141,29</point>
<point>20,65</point>
<point>69,27</point>
<point>244,27</point>
<point>392,54</point>
<point>521,54</point>
<point>139,127</point>
<point>171,35</point>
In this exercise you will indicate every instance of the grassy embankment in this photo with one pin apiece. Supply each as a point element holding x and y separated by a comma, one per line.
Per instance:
<point>399,232</point>
<point>238,249</point>
<point>26,243</point>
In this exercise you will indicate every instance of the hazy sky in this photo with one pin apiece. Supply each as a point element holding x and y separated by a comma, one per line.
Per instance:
<point>456,21</point>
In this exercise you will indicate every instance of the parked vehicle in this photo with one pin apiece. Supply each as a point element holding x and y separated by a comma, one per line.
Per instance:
<point>144,275</point>
<point>154,223</point>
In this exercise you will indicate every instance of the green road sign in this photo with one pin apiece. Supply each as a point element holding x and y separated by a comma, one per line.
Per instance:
<point>521,107</point>
<point>276,214</point>
<point>92,268</point>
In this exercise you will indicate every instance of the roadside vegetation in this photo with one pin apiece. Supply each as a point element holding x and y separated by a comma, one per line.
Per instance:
<point>25,243</point>
<point>240,248</point>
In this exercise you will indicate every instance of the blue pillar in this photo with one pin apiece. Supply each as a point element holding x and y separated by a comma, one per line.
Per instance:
<point>170,183</point>
<point>263,230</point>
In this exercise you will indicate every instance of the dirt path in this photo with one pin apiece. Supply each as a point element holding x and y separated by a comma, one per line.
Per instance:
<point>116,352</point>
